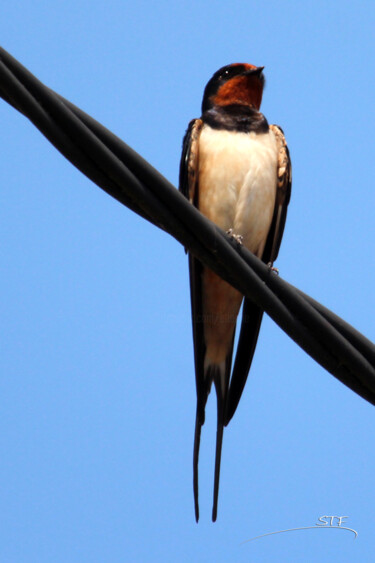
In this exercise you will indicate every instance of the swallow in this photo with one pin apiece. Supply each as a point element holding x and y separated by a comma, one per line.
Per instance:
<point>236,169</point>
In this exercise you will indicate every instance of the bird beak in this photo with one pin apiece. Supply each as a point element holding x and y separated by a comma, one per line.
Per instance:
<point>255,71</point>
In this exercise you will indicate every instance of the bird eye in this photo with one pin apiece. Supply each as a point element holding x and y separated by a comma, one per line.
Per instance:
<point>231,71</point>
<point>226,73</point>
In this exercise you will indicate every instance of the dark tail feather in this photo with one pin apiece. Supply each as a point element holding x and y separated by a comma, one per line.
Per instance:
<point>220,378</point>
<point>219,374</point>
<point>219,443</point>
<point>197,441</point>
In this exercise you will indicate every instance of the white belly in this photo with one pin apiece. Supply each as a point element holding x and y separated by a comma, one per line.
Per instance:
<point>238,172</point>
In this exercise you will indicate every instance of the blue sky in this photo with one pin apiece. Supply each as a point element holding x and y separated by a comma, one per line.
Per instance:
<point>97,397</point>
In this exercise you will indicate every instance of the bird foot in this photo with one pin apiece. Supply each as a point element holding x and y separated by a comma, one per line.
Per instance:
<point>237,238</point>
<point>275,270</point>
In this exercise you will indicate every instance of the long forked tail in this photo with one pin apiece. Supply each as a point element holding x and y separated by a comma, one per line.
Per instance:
<point>219,374</point>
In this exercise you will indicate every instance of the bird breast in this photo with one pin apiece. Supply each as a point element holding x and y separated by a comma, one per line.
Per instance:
<point>237,182</point>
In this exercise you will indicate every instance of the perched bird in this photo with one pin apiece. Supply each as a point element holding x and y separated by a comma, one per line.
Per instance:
<point>235,168</point>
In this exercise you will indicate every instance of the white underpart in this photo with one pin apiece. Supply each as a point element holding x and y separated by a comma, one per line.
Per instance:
<point>239,172</point>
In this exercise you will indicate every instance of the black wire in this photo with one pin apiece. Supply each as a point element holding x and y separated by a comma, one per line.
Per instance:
<point>125,175</point>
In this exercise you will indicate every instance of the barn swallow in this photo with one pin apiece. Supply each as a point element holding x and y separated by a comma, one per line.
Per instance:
<point>235,168</point>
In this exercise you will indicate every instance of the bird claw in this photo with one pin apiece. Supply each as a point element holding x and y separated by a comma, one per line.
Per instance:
<point>274,270</point>
<point>237,238</point>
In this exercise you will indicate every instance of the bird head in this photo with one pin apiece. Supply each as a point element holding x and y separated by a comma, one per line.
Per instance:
<point>235,84</point>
